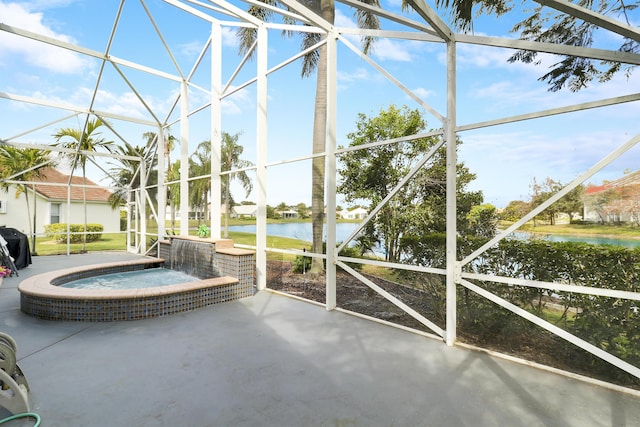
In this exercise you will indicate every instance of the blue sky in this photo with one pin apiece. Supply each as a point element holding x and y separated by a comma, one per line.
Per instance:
<point>505,158</point>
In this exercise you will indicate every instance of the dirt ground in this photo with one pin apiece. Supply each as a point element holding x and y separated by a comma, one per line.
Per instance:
<point>351,294</point>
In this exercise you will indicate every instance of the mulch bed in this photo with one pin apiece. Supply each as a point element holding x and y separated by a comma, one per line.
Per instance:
<point>351,294</point>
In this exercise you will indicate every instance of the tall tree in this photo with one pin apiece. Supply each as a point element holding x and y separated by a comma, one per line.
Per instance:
<point>24,164</point>
<point>87,139</point>
<point>231,152</point>
<point>230,158</point>
<point>368,176</point>
<point>170,174</point>
<point>173,191</point>
<point>316,59</point>
<point>126,173</point>
<point>515,210</point>
<point>541,192</point>
<point>541,25</point>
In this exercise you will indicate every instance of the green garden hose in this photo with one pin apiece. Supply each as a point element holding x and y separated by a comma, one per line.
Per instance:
<point>24,415</point>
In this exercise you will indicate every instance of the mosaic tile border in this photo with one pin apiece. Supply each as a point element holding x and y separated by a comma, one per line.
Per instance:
<point>40,297</point>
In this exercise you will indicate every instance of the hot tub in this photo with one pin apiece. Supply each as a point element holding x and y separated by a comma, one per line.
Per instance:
<point>42,297</point>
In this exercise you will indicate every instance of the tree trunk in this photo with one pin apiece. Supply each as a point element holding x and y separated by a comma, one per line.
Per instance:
<point>84,203</point>
<point>172,208</point>
<point>33,238</point>
<point>317,165</point>
<point>26,198</point>
<point>226,208</point>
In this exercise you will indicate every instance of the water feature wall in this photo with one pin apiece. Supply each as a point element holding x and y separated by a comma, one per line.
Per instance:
<point>207,258</point>
<point>194,258</point>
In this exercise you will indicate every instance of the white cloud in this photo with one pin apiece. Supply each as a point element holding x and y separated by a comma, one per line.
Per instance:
<point>341,20</point>
<point>423,93</point>
<point>383,49</point>
<point>355,76</point>
<point>35,53</point>
<point>229,37</point>
<point>238,102</point>
<point>485,57</point>
<point>191,49</point>
<point>506,163</point>
<point>389,50</point>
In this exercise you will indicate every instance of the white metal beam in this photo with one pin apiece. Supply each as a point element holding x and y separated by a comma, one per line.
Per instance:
<point>554,286</point>
<point>429,15</point>
<point>261,157</point>
<point>216,129</point>
<point>558,49</point>
<point>453,267</point>
<point>331,170</point>
<point>314,18</point>
<point>84,51</point>
<point>633,370</point>
<point>391,298</point>
<point>414,170</point>
<point>552,112</point>
<point>184,159</point>
<point>192,10</point>
<point>594,17</point>
<point>400,19</point>
<point>573,184</point>
<point>236,11</point>
<point>164,43</point>
<point>395,81</point>
<point>74,108</point>
<point>400,35</point>
<point>161,196</point>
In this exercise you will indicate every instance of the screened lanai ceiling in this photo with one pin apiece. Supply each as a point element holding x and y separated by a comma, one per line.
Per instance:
<point>124,62</point>
<point>174,68</point>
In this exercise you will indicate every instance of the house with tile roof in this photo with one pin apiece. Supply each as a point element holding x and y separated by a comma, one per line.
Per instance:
<point>52,195</point>
<point>614,201</point>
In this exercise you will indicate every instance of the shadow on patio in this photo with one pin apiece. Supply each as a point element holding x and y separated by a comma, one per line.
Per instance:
<point>275,361</point>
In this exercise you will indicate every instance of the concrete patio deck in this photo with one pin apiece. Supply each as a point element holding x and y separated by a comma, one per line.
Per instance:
<point>275,361</point>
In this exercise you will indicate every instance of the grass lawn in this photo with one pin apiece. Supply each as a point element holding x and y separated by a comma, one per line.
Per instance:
<point>108,242</point>
<point>620,231</point>
<point>118,242</point>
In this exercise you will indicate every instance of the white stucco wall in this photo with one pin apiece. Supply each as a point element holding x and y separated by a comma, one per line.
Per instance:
<point>16,213</point>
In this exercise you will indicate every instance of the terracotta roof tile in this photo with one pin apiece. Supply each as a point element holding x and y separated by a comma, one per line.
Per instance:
<point>60,192</point>
<point>630,180</point>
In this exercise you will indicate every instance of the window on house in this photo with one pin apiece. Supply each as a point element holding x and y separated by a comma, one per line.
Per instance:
<point>55,213</point>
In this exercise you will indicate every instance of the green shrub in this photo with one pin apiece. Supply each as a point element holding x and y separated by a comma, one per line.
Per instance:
<point>58,232</point>
<point>303,263</point>
<point>123,221</point>
<point>611,324</point>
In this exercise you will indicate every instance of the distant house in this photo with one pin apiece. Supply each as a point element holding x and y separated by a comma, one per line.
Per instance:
<point>244,211</point>
<point>355,213</point>
<point>615,201</point>
<point>51,205</point>
<point>288,214</point>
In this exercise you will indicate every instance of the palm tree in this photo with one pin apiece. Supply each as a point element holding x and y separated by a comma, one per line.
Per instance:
<point>24,164</point>
<point>171,174</point>
<point>230,159</point>
<point>558,27</point>
<point>86,139</point>
<point>200,165</point>
<point>311,61</point>
<point>230,153</point>
<point>126,175</point>
<point>173,191</point>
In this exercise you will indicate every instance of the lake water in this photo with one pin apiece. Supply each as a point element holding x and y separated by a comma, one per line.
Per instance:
<point>627,243</point>
<point>302,231</point>
<point>298,230</point>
